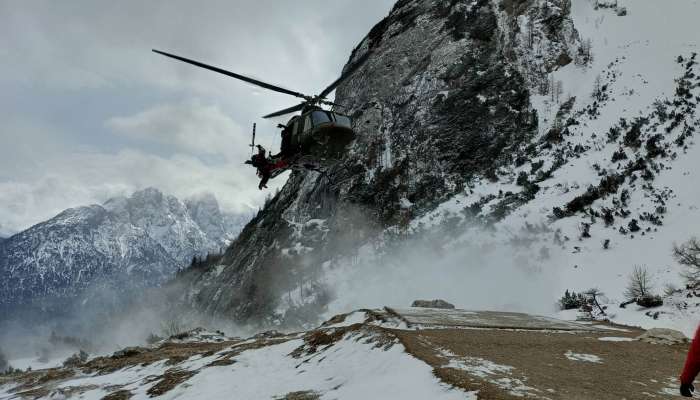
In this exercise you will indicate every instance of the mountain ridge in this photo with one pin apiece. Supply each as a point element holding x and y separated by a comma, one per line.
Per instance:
<point>422,130</point>
<point>522,126</point>
<point>136,242</point>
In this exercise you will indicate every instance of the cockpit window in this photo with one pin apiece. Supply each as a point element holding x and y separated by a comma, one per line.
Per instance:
<point>343,120</point>
<point>320,117</point>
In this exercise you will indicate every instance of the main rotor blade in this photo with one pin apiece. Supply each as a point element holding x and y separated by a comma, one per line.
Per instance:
<point>345,76</point>
<point>330,103</point>
<point>286,111</point>
<point>234,75</point>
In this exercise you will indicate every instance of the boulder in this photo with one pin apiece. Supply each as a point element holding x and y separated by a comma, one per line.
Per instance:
<point>564,59</point>
<point>663,336</point>
<point>129,352</point>
<point>438,303</point>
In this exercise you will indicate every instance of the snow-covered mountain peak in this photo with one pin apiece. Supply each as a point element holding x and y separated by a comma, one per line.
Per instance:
<point>204,210</point>
<point>88,215</point>
<point>142,239</point>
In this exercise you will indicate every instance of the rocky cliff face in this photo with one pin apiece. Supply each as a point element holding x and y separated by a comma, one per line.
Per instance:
<point>127,243</point>
<point>443,98</point>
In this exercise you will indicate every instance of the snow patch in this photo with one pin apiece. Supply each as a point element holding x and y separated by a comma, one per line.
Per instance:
<point>490,372</point>
<point>616,339</point>
<point>591,358</point>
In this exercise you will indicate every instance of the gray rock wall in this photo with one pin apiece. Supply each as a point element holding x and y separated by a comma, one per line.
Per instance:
<point>437,102</point>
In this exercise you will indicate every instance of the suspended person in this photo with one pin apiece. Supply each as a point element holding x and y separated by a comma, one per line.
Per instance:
<point>262,164</point>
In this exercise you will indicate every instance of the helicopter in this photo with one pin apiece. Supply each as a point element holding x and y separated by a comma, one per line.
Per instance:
<point>310,140</point>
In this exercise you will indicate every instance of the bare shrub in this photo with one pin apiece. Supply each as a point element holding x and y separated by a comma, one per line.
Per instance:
<point>172,327</point>
<point>76,359</point>
<point>639,289</point>
<point>639,284</point>
<point>688,255</point>
<point>153,338</point>
<point>592,295</point>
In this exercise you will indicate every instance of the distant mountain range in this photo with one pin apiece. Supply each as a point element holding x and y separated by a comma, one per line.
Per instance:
<point>124,244</point>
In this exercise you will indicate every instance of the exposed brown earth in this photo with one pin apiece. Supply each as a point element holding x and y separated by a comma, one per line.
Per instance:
<point>169,380</point>
<point>303,395</point>
<point>627,370</point>
<point>32,385</point>
<point>118,395</point>
<point>42,383</point>
<point>171,351</point>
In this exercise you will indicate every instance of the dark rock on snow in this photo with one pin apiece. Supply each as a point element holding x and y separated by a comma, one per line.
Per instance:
<point>438,303</point>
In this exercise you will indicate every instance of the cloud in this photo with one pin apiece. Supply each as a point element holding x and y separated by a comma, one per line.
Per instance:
<point>85,44</point>
<point>88,178</point>
<point>89,111</point>
<point>26,144</point>
<point>189,126</point>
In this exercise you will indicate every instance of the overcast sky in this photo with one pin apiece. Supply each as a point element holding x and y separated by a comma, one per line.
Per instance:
<point>89,112</point>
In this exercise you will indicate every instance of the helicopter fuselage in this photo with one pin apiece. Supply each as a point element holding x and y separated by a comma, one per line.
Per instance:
<point>320,133</point>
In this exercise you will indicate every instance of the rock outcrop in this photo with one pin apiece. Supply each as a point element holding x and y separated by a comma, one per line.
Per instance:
<point>438,303</point>
<point>663,336</point>
<point>441,98</point>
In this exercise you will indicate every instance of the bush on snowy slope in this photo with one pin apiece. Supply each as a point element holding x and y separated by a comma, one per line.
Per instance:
<point>615,4</point>
<point>153,338</point>
<point>593,305</point>
<point>639,289</point>
<point>606,4</point>
<point>76,359</point>
<point>639,284</point>
<point>688,255</point>
<point>572,301</point>
<point>650,301</point>
<point>173,326</point>
<point>587,303</point>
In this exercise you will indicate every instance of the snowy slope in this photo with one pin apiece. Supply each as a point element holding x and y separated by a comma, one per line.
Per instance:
<point>640,50</point>
<point>637,57</point>
<point>361,364</point>
<point>533,254</point>
<point>354,369</point>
